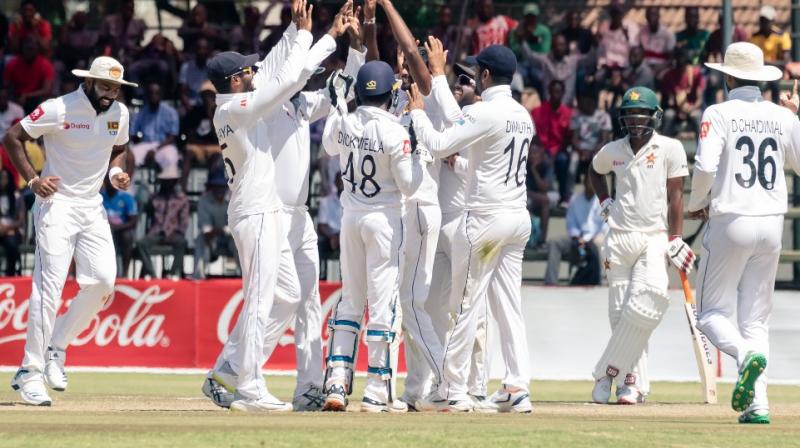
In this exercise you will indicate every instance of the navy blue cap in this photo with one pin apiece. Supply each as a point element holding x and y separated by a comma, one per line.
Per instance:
<point>374,78</point>
<point>229,63</point>
<point>500,60</point>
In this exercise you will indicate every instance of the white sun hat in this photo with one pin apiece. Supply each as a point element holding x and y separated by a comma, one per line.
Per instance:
<point>105,68</point>
<point>744,60</point>
<point>768,12</point>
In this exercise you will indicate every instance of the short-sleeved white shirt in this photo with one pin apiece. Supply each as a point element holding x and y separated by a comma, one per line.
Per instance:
<point>77,142</point>
<point>641,203</point>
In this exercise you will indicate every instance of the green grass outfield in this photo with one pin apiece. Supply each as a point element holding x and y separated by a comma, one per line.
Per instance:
<point>150,410</point>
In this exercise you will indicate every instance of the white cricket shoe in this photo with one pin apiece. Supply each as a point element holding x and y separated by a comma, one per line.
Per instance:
<point>431,403</point>
<point>267,403</point>
<point>217,392</point>
<point>629,395</point>
<point>410,403</point>
<point>482,405</point>
<point>226,377</point>
<point>507,401</point>
<point>369,404</point>
<point>54,375</point>
<point>336,399</point>
<point>602,390</point>
<point>398,407</point>
<point>31,389</point>
<point>309,401</point>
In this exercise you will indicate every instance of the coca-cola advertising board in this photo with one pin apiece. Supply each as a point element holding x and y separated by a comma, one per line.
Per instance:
<point>179,324</point>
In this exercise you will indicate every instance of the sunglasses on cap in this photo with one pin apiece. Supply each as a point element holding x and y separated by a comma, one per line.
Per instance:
<point>464,80</point>
<point>245,71</point>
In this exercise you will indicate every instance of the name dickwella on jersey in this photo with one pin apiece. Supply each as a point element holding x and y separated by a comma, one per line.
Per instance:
<point>362,143</point>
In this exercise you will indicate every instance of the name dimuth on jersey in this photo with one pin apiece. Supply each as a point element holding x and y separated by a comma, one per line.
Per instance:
<point>520,127</point>
<point>756,126</point>
<point>362,143</point>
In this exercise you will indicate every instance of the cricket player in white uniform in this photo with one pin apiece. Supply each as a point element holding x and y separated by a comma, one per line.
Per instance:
<point>646,222</point>
<point>254,210</point>
<point>291,146</point>
<point>493,233</point>
<point>82,131</point>
<point>377,170</point>
<point>739,186</point>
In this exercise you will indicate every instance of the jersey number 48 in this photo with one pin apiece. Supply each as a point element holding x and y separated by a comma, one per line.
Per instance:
<point>368,186</point>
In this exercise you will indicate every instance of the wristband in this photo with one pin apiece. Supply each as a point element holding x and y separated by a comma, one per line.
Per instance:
<point>33,179</point>
<point>113,172</point>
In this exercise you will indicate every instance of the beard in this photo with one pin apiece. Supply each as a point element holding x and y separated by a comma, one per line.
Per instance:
<point>98,101</point>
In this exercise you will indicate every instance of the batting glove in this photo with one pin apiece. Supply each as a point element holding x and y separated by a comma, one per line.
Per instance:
<point>680,254</point>
<point>339,85</point>
<point>605,207</point>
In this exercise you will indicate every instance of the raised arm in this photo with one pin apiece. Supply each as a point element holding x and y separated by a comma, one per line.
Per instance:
<point>268,66</point>
<point>440,89</point>
<point>407,43</point>
<point>369,35</point>
<point>442,144</point>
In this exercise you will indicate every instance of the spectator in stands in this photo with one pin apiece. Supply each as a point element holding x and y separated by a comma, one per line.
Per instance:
<point>154,131</point>
<point>10,112</point>
<point>246,38</point>
<point>657,41</point>
<point>538,183</point>
<point>774,42</point>
<point>495,28</point>
<point>530,33</point>
<point>122,33</point>
<point>12,221</point>
<point>30,75</point>
<point>123,216</point>
<point>713,50</point>
<point>552,119</point>
<point>29,24</point>
<point>158,61</point>
<point>276,32</point>
<point>590,128</point>
<point>692,38</point>
<point>77,42</point>
<point>329,223</point>
<point>579,39</point>
<point>585,226</point>
<point>196,26</point>
<point>558,64</point>
<point>445,31</point>
<point>169,218</point>
<point>637,73</point>
<point>202,146</point>
<point>616,39</point>
<point>682,95</point>
<point>214,238</point>
<point>193,74</point>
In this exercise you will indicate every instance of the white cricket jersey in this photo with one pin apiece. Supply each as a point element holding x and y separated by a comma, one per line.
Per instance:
<point>743,147</point>
<point>453,183</point>
<point>497,132</point>
<point>442,109</point>
<point>289,127</point>
<point>77,142</point>
<point>374,157</point>
<point>641,202</point>
<point>244,135</point>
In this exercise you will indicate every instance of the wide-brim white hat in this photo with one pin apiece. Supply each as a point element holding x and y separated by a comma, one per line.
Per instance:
<point>744,60</point>
<point>107,69</point>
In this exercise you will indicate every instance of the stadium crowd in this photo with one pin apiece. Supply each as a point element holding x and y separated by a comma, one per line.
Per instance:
<point>571,77</point>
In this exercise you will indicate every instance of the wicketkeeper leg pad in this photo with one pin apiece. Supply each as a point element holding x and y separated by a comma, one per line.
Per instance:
<point>342,353</point>
<point>380,371</point>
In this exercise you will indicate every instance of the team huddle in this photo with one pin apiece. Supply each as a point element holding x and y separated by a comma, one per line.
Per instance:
<point>434,188</point>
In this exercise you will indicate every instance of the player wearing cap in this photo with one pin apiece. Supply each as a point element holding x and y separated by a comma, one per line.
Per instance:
<point>82,131</point>
<point>739,186</point>
<point>243,101</point>
<point>497,133</point>
<point>377,170</point>
<point>646,222</point>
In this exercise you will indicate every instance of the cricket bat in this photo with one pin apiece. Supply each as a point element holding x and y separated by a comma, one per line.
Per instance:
<point>703,349</point>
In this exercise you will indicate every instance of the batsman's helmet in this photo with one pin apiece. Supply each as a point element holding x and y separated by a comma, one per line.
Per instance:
<point>631,119</point>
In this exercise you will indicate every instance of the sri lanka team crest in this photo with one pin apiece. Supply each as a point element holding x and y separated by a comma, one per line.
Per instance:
<point>113,127</point>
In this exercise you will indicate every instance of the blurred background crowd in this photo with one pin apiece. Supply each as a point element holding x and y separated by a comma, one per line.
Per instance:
<point>576,59</point>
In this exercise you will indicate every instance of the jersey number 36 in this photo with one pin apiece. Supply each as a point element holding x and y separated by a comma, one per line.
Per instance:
<point>757,170</point>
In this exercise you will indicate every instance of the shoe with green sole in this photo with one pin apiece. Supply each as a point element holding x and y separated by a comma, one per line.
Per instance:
<point>743,392</point>
<point>760,416</point>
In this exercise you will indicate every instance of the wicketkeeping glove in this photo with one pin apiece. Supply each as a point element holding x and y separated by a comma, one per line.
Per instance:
<point>339,86</point>
<point>680,254</point>
<point>605,207</point>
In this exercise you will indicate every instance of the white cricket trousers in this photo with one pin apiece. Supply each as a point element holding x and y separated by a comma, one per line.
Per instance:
<point>297,299</point>
<point>737,276</point>
<point>258,239</point>
<point>371,245</point>
<point>487,252</point>
<point>635,262</point>
<point>423,345</point>
<point>63,230</point>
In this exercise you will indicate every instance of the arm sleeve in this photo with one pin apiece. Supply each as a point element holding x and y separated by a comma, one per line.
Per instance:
<point>465,132</point>
<point>270,65</point>
<point>406,170</point>
<point>462,166</point>
<point>602,161</point>
<point>445,101</point>
<point>355,60</point>
<point>677,166</point>
<point>706,160</point>
<point>265,99</point>
<point>46,118</point>
<point>331,125</point>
